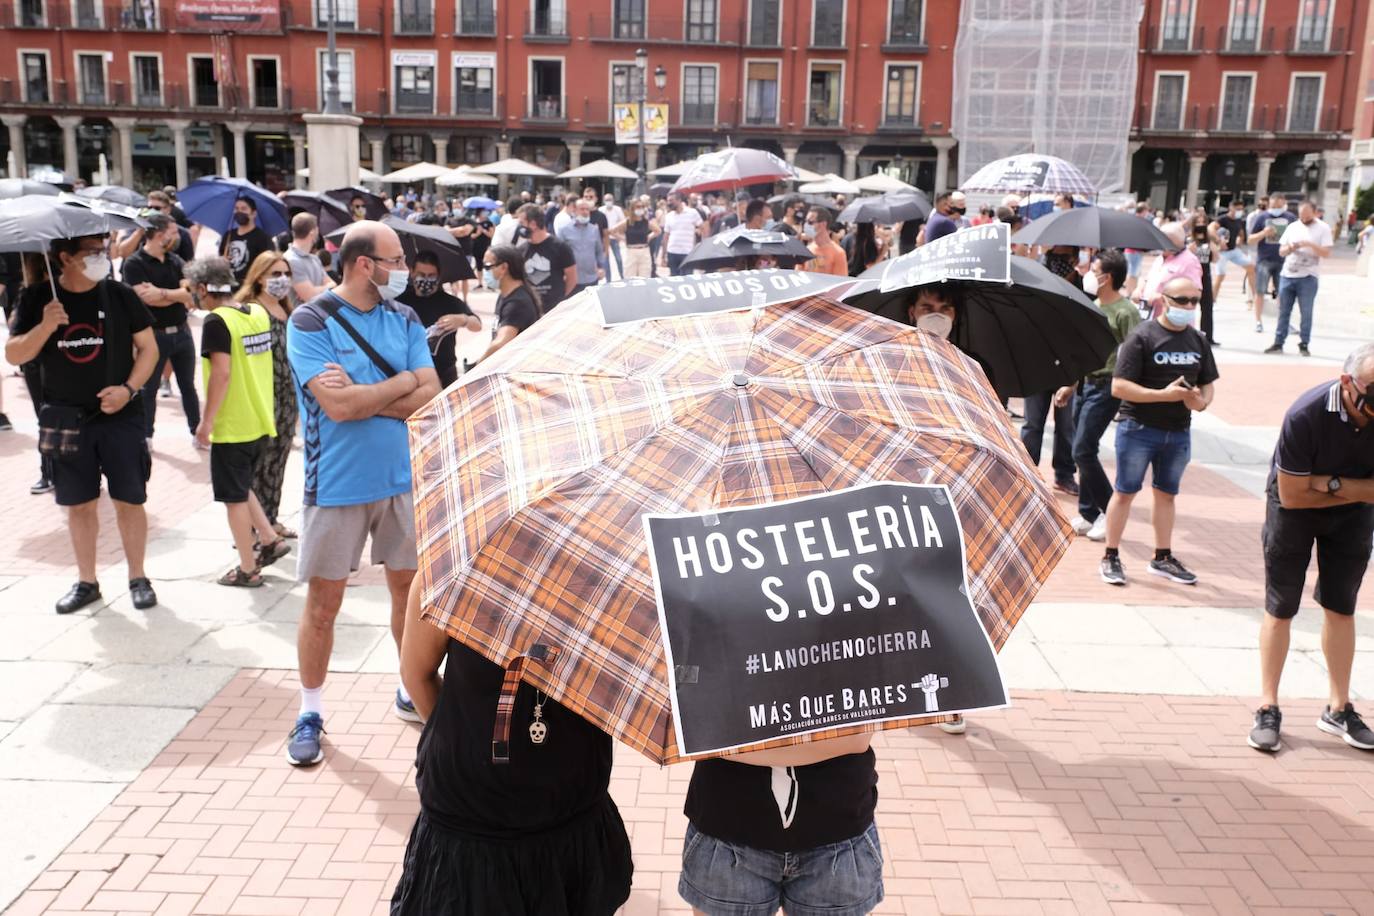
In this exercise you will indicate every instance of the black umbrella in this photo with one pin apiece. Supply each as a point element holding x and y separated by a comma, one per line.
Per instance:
<point>895,207</point>
<point>1094,227</point>
<point>660,189</point>
<point>722,250</point>
<point>10,188</point>
<point>31,223</point>
<point>330,213</point>
<point>1033,334</point>
<point>416,237</point>
<point>115,194</point>
<point>376,207</point>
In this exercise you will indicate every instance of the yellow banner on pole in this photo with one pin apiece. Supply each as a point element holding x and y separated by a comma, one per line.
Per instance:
<point>655,123</point>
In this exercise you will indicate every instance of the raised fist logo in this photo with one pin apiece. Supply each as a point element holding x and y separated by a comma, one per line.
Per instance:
<point>930,685</point>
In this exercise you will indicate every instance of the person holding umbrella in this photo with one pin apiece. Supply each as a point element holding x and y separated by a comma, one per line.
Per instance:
<point>93,339</point>
<point>246,240</point>
<point>442,314</point>
<point>1164,372</point>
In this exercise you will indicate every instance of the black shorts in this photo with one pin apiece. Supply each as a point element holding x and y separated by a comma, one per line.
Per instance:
<point>231,469</point>
<point>1343,537</point>
<point>112,446</point>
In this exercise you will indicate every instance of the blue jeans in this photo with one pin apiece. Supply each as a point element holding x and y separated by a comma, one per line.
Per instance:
<point>1266,271</point>
<point>177,345</point>
<point>723,879</point>
<point>1093,409</point>
<point>1138,447</point>
<point>1303,289</point>
<point>1037,408</point>
<point>675,263</point>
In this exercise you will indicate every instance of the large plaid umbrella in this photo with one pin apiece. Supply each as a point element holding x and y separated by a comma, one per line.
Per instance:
<point>532,475</point>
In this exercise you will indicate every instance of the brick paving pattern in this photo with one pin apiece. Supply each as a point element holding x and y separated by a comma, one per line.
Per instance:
<point>1065,803</point>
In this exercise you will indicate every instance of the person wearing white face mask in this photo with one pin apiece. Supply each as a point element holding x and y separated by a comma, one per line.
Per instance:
<point>93,339</point>
<point>362,366</point>
<point>1164,372</point>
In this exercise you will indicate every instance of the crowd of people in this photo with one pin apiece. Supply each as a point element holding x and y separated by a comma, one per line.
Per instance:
<point>340,343</point>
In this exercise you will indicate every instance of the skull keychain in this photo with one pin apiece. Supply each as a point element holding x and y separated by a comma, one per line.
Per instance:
<point>538,730</point>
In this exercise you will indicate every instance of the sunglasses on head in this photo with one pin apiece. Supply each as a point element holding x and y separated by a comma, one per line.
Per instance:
<point>1184,300</point>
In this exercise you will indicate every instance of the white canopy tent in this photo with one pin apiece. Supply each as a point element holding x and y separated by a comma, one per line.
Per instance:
<point>671,171</point>
<point>601,168</point>
<point>830,184</point>
<point>513,168</point>
<point>882,183</point>
<point>420,171</point>
<point>464,176</point>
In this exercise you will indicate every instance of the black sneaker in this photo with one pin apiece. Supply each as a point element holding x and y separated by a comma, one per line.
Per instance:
<point>5,424</point>
<point>1111,570</point>
<point>1171,569</point>
<point>1349,726</point>
<point>1274,348</point>
<point>141,590</point>
<point>40,486</point>
<point>1302,348</point>
<point>81,594</point>
<point>1265,735</point>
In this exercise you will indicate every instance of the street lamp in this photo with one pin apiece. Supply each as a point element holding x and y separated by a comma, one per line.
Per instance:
<point>332,105</point>
<point>638,92</point>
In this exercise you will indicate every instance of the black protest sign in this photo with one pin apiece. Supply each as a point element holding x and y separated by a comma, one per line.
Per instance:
<point>833,610</point>
<point>629,301</point>
<point>977,253</point>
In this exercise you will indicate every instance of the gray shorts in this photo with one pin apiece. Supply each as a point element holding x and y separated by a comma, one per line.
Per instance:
<point>332,537</point>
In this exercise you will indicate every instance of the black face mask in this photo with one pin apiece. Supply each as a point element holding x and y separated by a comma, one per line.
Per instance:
<point>241,218</point>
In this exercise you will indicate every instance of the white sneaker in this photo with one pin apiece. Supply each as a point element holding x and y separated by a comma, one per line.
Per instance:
<point>1259,327</point>
<point>1098,532</point>
<point>1080,525</point>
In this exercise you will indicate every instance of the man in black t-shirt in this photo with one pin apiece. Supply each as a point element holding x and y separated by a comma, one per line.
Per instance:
<point>1320,491</point>
<point>550,267</point>
<point>155,274</point>
<point>94,344</point>
<point>442,314</point>
<point>246,241</point>
<point>1164,372</point>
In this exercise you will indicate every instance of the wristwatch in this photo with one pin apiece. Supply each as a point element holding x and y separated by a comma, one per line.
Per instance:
<point>133,392</point>
<point>1333,485</point>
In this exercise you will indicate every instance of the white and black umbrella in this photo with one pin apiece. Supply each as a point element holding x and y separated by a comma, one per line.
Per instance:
<point>115,194</point>
<point>11,188</point>
<point>33,223</point>
<point>1030,173</point>
<point>724,249</point>
<point>1094,227</point>
<point>731,168</point>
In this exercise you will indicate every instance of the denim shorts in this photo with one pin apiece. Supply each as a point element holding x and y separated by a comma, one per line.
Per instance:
<point>1139,446</point>
<point>1133,259</point>
<point>722,879</point>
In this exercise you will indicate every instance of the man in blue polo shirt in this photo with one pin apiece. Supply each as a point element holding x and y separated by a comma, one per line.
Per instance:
<point>362,366</point>
<point>1321,491</point>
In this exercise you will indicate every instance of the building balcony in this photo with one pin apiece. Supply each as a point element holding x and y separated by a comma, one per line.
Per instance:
<point>545,109</point>
<point>1171,42</point>
<point>1264,119</point>
<point>120,96</point>
<point>1244,42</point>
<point>664,31</point>
<point>475,21</point>
<point>548,26</point>
<point>1304,45</point>
<point>129,16</point>
<point>361,17</point>
<point>905,39</point>
<point>413,22</point>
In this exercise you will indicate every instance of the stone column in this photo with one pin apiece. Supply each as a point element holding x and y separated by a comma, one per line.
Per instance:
<point>1328,193</point>
<point>441,149</point>
<point>334,149</point>
<point>298,160</point>
<point>125,129</point>
<point>574,153</point>
<point>15,123</point>
<point>1195,164</point>
<point>1265,163</point>
<point>240,131</point>
<point>503,152</point>
<point>178,129</point>
<point>377,141</point>
<point>69,124</point>
<point>942,147</point>
<point>851,160</point>
<point>789,153</point>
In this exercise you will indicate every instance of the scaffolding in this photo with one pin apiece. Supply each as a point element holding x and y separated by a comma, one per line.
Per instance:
<point>1047,76</point>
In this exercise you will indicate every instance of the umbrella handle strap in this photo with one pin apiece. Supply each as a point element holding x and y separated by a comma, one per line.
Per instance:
<point>505,703</point>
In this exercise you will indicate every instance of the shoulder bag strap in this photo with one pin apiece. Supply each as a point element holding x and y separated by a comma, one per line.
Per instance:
<point>336,313</point>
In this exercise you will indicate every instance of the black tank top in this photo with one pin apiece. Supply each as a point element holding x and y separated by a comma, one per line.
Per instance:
<point>637,232</point>
<point>542,787</point>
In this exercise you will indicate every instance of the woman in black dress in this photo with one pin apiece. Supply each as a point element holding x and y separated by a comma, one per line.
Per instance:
<point>539,835</point>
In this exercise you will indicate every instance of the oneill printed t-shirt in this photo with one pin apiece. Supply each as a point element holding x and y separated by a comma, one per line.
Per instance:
<point>74,358</point>
<point>1153,356</point>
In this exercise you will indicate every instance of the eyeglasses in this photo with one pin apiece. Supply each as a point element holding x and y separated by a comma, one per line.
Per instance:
<point>491,265</point>
<point>398,259</point>
<point>1184,300</point>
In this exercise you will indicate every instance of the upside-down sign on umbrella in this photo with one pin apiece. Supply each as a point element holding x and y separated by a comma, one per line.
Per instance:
<point>723,510</point>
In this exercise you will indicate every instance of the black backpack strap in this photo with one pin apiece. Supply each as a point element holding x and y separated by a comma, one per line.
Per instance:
<point>331,307</point>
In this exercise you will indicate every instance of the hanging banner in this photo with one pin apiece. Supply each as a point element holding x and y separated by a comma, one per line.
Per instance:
<point>626,119</point>
<point>629,301</point>
<point>228,15</point>
<point>817,613</point>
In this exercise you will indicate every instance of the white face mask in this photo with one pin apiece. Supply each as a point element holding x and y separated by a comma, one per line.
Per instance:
<point>1090,283</point>
<point>96,267</point>
<point>278,287</point>
<point>396,282</point>
<point>937,323</point>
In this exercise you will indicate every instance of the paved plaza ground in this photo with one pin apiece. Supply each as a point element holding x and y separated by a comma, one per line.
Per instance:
<point>141,764</point>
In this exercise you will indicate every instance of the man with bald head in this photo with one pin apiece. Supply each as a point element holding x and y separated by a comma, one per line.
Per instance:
<point>1164,372</point>
<point>362,366</point>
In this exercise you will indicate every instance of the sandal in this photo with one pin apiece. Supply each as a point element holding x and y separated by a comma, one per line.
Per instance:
<point>237,578</point>
<point>271,553</point>
<point>283,531</point>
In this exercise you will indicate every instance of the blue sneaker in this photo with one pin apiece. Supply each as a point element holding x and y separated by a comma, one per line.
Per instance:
<point>405,709</point>
<point>303,749</point>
